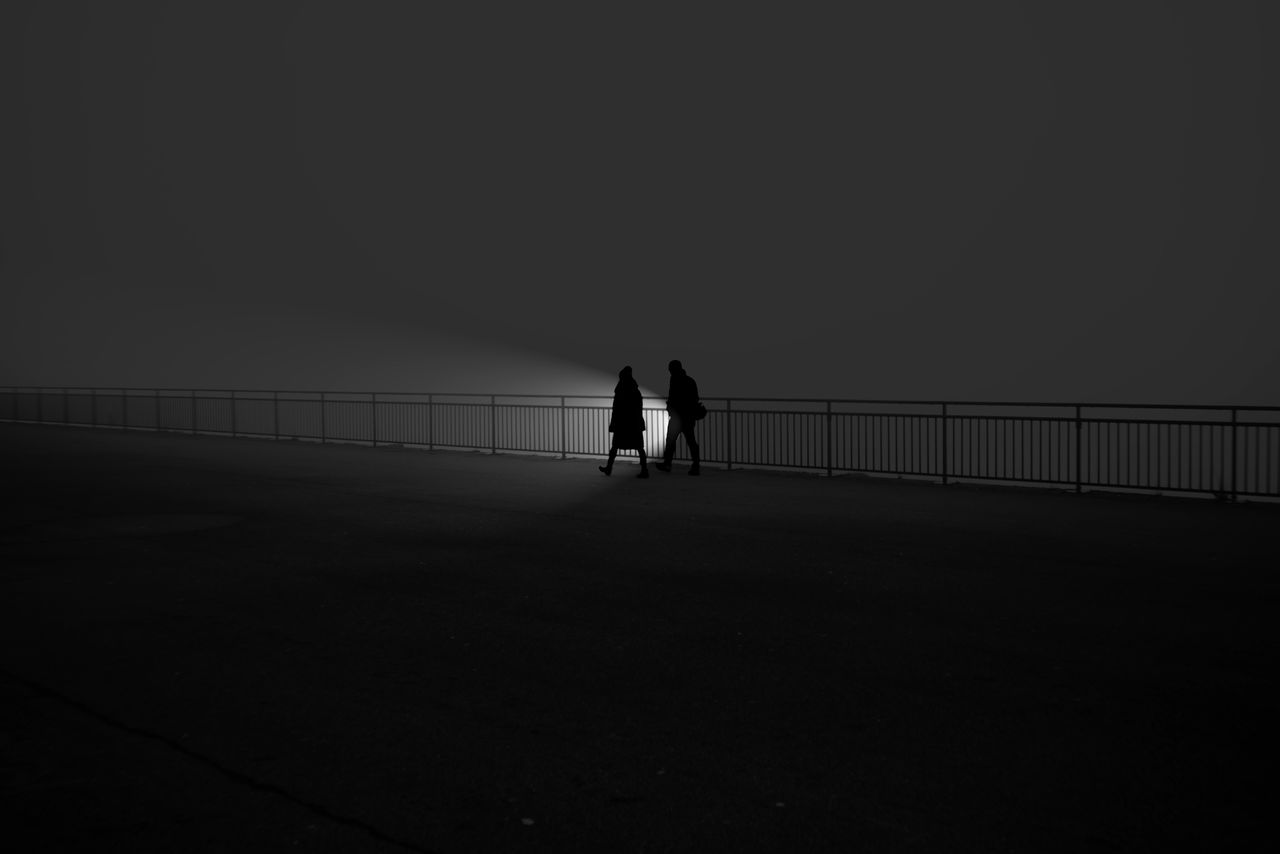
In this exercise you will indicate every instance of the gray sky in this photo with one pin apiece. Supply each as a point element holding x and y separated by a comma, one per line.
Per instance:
<point>931,200</point>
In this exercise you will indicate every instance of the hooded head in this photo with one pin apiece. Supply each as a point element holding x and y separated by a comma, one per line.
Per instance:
<point>675,367</point>
<point>625,380</point>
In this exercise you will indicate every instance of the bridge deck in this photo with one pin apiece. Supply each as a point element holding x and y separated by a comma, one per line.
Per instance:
<point>212,644</point>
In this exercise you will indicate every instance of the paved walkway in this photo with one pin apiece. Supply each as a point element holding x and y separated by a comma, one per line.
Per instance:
<point>211,644</point>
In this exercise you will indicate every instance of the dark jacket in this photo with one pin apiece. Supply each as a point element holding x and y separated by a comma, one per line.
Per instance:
<point>682,397</point>
<point>627,421</point>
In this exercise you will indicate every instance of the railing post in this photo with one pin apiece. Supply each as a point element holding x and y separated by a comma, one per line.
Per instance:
<point>493,424</point>
<point>945,462</point>
<point>1079,460</point>
<point>373,414</point>
<point>157,410</point>
<point>323,431</point>
<point>1235,452</point>
<point>275,414</point>
<point>564,434</point>
<point>828,438</point>
<point>728,433</point>
<point>233,413</point>
<point>40,405</point>
<point>124,409</point>
<point>93,407</point>
<point>431,422</point>
<point>194,414</point>
<point>66,406</point>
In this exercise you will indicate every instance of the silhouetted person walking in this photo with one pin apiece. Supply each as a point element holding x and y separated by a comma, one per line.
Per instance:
<point>683,406</point>
<point>627,422</point>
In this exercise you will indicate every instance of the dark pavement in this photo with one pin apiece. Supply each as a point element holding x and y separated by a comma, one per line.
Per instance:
<point>211,644</point>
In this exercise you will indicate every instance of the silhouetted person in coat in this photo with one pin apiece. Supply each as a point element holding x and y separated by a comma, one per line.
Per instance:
<point>627,422</point>
<point>682,405</point>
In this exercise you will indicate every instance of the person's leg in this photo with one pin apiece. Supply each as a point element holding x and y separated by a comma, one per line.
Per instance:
<point>607,468</point>
<point>673,433</point>
<point>644,464</point>
<point>692,442</point>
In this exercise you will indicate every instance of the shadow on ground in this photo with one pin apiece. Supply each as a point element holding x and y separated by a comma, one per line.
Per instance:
<point>214,644</point>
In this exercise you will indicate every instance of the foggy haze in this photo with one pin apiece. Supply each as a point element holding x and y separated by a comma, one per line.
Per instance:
<point>939,200</point>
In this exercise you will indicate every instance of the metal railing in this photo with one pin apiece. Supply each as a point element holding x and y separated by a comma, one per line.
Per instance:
<point>1229,452</point>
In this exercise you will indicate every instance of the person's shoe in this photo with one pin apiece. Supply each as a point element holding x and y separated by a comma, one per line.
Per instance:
<point>695,471</point>
<point>607,471</point>
<point>662,466</point>
<point>643,473</point>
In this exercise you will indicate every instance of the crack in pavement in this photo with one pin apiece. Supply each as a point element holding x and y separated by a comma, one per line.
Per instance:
<point>237,777</point>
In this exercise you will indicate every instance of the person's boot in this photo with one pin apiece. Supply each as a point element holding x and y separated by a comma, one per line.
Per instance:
<point>662,466</point>
<point>606,469</point>
<point>644,471</point>
<point>695,470</point>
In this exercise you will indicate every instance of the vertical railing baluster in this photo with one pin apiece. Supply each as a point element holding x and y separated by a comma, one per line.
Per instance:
<point>728,433</point>
<point>1235,452</point>
<point>828,428</point>
<point>1079,460</point>
<point>944,444</point>
<point>373,415</point>
<point>324,433</point>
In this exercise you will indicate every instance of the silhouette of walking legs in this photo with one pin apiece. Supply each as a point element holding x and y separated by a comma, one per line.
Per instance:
<point>607,468</point>
<point>677,427</point>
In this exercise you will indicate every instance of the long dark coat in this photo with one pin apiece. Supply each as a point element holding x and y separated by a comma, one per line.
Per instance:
<point>627,421</point>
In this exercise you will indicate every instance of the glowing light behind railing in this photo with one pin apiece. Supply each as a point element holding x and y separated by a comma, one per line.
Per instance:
<point>656,421</point>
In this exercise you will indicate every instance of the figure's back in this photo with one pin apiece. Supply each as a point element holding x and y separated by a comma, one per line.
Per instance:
<point>684,393</point>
